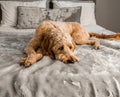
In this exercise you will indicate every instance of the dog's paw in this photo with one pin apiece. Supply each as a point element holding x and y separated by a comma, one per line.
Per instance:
<point>29,61</point>
<point>22,61</point>
<point>74,58</point>
<point>96,47</point>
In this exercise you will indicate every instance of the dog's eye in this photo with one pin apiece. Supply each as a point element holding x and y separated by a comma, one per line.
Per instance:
<point>70,47</point>
<point>61,48</point>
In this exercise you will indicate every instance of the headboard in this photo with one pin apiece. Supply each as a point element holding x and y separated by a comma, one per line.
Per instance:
<point>88,0</point>
<point>48,0</point>
<point>77,0</point>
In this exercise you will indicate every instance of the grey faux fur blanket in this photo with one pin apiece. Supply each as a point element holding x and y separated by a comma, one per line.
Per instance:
<point>97,74</point>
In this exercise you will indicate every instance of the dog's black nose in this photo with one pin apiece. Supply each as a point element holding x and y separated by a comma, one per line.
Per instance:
<point>70,61</point>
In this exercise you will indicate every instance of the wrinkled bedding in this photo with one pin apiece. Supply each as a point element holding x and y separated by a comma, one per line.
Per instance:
<point>96,74</point>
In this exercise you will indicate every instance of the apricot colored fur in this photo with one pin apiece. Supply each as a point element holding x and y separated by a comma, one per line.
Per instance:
<point>58,40</point>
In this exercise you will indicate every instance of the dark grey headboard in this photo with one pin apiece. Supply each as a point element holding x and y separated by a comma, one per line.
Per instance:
<point>76,0</point>
<point>67,0</point>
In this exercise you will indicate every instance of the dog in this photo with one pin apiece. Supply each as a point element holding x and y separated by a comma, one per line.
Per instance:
<point>58,40</point>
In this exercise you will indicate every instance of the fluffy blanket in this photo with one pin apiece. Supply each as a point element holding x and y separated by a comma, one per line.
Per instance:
<point>96,74</point>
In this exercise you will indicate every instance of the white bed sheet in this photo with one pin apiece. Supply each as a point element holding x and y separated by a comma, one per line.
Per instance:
<point>13,30</point>
<point>89,28</point>
<point>96,74</point>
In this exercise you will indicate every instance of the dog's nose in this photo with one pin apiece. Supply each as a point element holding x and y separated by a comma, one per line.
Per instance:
<point>70,61</point>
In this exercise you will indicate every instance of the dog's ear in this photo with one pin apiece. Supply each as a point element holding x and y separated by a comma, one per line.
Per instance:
<point>47,44</point>
<point>50,51</point>
<point>44,44</point>
<point>52,55</point>
<point>73,43</point>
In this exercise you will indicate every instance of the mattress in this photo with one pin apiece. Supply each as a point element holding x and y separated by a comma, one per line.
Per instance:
<point>96,74</point>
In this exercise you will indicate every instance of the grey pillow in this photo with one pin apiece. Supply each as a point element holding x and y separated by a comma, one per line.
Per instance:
<point>31,17</point>
<point>71,14</point>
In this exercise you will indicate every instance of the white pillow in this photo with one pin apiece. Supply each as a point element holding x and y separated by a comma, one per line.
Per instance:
<point>88,10</point>
<point>9,10</point>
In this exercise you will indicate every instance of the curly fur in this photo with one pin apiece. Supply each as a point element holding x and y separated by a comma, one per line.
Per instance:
<point>58,40</point>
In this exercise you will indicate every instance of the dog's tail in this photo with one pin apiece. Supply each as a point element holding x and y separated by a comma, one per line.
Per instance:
<point>103,36</point>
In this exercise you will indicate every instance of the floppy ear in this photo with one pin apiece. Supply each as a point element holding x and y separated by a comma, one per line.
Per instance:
<point>73,43</point>
<point>44,45</point>
<point>47,45</point>
<point>50,52</point>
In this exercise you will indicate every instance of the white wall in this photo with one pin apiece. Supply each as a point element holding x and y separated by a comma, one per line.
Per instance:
<point>108,14</point>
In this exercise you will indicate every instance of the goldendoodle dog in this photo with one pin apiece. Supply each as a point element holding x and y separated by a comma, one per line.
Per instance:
<point>58,40</point>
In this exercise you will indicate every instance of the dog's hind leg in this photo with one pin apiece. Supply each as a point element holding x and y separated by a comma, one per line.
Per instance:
<point>95,43</point>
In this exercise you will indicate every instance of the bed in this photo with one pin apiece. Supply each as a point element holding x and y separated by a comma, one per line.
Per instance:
<point>96,74</point>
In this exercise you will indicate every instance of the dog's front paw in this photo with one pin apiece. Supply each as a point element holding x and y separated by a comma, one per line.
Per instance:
<point>22,61</point>
<point>74,58</point>
<point>96,47</point>
<point>29,61</point>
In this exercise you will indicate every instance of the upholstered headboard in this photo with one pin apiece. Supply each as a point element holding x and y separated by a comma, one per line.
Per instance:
<point>36,0</point>
<point>88,0</point>
<point>77,0</point>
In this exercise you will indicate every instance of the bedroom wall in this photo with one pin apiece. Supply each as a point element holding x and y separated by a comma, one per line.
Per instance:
<point>108,14</point>
<point>0,14</point>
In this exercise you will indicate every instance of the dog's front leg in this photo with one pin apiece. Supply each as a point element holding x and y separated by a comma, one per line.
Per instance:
<point>39,54</point>
<point>28,60</point>
<point>30,51</point>
<point>31,59</point>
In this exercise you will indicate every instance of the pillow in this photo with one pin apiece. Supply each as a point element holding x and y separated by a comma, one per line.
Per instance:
<point>87,13</point>
<point>70,14</point>
<point>31,17</point>
<point>9,10</point>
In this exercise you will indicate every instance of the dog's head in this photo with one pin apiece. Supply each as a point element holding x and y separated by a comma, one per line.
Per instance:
<point>61,47</point>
